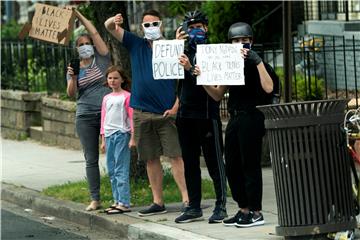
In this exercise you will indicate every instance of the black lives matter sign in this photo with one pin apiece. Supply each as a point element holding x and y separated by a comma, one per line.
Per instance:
<point>49,21</point>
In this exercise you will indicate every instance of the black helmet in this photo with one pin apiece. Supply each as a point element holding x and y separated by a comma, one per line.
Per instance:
<point>195,17</point>
<point>240,29</point>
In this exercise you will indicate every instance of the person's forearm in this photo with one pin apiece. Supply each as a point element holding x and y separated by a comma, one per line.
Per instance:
<point>71,88</point>
<point>116,30</point>
<point>110,24</point>
<point>265,79</point>
<point>87,24</point>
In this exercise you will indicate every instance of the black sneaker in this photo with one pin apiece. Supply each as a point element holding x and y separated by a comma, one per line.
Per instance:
<point>232,221</point>
<point>190,215</point>
<point>218,215</point>
<point>184,206</point>
<point>250,220</point>
<point>152,210</point>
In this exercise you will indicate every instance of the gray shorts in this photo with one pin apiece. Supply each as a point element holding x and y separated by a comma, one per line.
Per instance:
<point>155,135</point>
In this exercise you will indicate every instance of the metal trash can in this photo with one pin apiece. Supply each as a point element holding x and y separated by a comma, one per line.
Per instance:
<point>311,167</point>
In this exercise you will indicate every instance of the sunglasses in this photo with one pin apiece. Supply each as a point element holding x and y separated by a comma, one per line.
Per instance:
<point>151,24</point>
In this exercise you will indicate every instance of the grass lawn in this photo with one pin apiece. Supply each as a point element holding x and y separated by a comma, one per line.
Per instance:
<point>140,191</point>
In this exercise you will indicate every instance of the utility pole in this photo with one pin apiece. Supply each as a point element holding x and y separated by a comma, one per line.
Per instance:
<point>287,43</point>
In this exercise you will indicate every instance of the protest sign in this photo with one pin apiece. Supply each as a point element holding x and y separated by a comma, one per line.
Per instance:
<point>220,64</point>
<point>49,21</point>
<point>165,61</point>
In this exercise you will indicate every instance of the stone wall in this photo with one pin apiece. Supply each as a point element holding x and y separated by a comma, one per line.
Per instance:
<point>58,119</point>
<point>19,111</point>
<point>34,115</point>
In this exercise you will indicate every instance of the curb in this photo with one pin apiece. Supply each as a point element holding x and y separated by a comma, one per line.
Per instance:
<point>123,225</point>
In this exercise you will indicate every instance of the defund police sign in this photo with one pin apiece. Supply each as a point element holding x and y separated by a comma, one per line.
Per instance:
<point>165,61</point>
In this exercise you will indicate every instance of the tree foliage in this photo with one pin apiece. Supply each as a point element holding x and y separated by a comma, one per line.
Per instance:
<point>222,14</point>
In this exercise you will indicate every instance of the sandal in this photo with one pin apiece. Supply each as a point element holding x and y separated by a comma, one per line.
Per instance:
<point>114,211</point>
<point>111,207</point>
<point>123,208</point>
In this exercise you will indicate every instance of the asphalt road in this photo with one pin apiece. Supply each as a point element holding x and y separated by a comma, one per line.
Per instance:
<point>25,224</point>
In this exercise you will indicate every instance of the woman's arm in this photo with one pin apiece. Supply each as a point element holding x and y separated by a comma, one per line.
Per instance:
<point>99,43</point>
<point>71,83</point>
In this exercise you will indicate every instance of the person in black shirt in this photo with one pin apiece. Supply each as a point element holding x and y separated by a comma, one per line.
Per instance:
<point>245,129</point>
<point>199,127</point>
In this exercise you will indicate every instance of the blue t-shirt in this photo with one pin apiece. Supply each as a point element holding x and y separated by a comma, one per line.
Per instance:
<point>147,94</point>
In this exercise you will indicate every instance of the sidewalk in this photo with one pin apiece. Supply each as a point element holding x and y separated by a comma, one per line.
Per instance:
<point>36,166</point>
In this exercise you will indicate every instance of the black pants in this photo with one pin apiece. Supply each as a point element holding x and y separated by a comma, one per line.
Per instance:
<point>243,143</point>
<point>88,129</point>
<point>206,135</point>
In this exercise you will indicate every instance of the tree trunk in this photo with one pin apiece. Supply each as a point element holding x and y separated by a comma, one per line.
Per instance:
<point>102,10</point>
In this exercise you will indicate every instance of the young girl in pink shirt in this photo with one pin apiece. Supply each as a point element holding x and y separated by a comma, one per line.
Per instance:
<point>117,137</point>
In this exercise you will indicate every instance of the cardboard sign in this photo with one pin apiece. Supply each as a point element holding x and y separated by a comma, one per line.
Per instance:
<point>165,61</point>
<point>49,22</point>
<point>220,64</point>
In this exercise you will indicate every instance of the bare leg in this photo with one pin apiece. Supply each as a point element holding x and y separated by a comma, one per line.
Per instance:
<point>177,168</point>
<point>155,175</point>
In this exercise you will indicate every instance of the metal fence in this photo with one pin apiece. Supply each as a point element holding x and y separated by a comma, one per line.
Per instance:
<point>34,66</point>
<point>324,67</point>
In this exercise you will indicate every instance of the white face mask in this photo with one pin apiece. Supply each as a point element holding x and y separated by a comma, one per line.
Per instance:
<point>152,33</point>
<point>86,51</point>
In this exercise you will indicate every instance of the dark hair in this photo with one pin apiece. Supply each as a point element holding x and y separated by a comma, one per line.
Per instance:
<point>151,12</point>
<point>126,85</point>
<point>83,35</point>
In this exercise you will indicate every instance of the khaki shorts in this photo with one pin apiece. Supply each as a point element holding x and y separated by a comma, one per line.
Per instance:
<point>155,136</point>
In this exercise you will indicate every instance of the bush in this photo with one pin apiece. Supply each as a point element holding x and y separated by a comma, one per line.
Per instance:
<point>10,30</point>
<point>302,90</point>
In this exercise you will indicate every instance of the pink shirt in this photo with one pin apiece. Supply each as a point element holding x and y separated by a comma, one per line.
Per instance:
<point>116,114</point>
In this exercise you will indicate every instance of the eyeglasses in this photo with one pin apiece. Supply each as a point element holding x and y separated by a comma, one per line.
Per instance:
<point>151,24</point>
<point>86,43</point>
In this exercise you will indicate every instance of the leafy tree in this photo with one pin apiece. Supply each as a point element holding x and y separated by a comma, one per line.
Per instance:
<point>98,12</point>
<point>222,14</point>
<point>10,30</point>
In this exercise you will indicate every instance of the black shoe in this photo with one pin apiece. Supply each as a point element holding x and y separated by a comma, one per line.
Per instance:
<point>218,215</point>
<point>232,221</point>
<point>190,215</point>
<point>251,220</point>
<point>152,210</point>
<point>184,206</point>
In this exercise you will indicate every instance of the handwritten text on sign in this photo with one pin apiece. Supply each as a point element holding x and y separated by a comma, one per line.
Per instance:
<point>165,62</point>
<point>220,64</point>
<point>48,21</point>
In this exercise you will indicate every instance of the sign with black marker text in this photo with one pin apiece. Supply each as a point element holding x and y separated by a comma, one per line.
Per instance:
<point>165,61</point>
<point>220,64</point>
<point>49,21</point>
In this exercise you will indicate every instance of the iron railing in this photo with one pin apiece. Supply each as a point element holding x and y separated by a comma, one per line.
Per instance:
<point>32,65</point>
<point>324,67</point>
<point>331,10</point>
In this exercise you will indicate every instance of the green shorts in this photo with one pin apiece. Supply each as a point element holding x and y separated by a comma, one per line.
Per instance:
<point>155,135</point>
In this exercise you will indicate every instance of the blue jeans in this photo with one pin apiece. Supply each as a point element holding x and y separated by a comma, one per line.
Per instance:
<point>118,164</point>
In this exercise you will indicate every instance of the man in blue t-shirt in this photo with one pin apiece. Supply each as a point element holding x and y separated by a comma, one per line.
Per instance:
<point>155,107</point>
